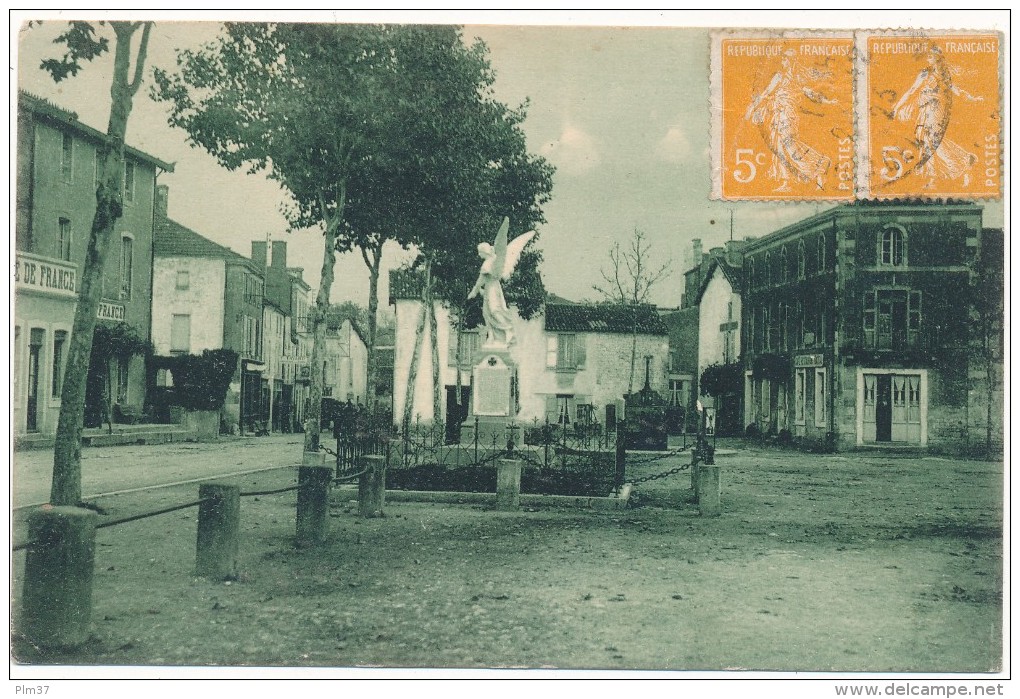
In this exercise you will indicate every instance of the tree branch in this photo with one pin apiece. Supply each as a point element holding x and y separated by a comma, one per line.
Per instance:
<point>143,47</point>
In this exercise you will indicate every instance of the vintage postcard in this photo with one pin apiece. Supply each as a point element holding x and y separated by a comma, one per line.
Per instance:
<point>469,344</point>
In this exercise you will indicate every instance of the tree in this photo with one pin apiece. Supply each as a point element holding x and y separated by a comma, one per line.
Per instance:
<point>359,123</point>
<point>84,43</point>
<point>631,275</point>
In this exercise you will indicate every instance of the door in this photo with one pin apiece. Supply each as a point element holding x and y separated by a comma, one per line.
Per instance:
<point>34,355</point>
<point>883,408</point>
<point>456,414</point>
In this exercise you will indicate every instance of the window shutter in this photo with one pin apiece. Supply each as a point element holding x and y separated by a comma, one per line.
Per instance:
<point>550,408</point>
<point>580,353</point>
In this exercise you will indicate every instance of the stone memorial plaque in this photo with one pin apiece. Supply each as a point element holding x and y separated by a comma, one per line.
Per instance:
<point>492,387</point>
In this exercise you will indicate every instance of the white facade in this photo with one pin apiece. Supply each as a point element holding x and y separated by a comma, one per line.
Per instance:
<point>345,365</point>
<point>553,380</point>
<point>187,307</point>
<point>718,322</point>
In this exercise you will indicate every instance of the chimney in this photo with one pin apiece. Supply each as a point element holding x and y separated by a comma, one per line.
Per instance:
<point>734,256</point>
<point>696,261</point>
<point>280,254</point>
<point>258,253</point>
<point>162,199</point>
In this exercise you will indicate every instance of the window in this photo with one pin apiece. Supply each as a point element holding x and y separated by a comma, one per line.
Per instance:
<point>679,392</point>
<point>564,352</point>
<point>64,239</point>
<point>892,319</point>
<point>183,280</point>
<point>59,342</point>
<point>801,260</point>
<point>765,397</point>
<point>767,272</point>
<point>253,289</point>
<point>820,411</point>
<point>468,347</point>
<point>127,244</point>
<point>123,365</point>
<point>129,181</point>
<point>821,253</point>
<point>564,409</point>
<point>798,326</point>
<point>784,319</point>
<point>783,266</point>
<point>750,273</point>
<point>180,333</point>
<point>67,157</point>
<point>894,246</point>
<point>800,396</point>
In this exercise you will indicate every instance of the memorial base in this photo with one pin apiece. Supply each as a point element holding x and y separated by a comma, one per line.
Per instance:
<point>492,432</point>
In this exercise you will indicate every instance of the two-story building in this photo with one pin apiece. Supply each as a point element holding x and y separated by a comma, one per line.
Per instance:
<point>206,296</point>
<point>857,325</point>
<point>573,360</point>
<point>345,362</point>
<point>719,309</point>
<point>56,178</point>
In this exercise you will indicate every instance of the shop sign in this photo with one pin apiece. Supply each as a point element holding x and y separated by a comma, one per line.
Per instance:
<point>45,275</point>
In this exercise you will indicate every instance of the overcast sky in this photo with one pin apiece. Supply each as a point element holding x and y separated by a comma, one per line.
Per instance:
<point>623,114</point>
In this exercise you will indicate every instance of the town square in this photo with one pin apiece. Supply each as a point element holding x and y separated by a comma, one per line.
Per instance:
<point>499,347</point>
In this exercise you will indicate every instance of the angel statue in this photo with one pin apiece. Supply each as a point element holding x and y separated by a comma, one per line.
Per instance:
<point>499,262</point>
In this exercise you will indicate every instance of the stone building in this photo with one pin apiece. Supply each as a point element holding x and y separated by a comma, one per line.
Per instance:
<point>858,327</point>
<point>56,179</point>
<point>573,360</point>
<point>206,296</point>
<point>719,308</point>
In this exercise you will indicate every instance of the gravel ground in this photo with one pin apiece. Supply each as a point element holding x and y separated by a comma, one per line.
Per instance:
<point>848,563</point>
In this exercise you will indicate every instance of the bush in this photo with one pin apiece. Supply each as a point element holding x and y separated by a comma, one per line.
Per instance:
<point>785,438</point>
<point>752,431</point>
<point>200,381</point>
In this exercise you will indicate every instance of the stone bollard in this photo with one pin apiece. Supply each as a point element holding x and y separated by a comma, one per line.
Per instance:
<point>508,484</point>
<point>313,504</point>
<point>313,458</point>
<point>372,486</point>
<point>59,566</point>
<point>709,496</point>
<point>219,530</point>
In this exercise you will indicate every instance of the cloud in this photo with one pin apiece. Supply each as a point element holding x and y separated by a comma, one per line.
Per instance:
<point>674,147</point>
<point>574,152</point>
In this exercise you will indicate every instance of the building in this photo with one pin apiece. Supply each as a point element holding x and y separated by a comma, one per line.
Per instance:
<point>711,285</point>
<point>57,173</point>
<point>286,297</point>
<point>206,296</point>
<point>572,360</point>
<point>345,362</point>
<point>857,327</point>
<point>719,308</point>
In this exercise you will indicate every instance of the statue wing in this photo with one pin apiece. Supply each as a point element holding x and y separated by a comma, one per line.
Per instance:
<point>513,253</point>
<point>499,247</point>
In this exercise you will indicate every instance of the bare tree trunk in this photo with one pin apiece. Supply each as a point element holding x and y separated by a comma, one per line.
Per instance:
<point>437,384</point>
<point>313,417</point>
<point>66,483</point>
<point>373,260</point>
<point>412,372</point>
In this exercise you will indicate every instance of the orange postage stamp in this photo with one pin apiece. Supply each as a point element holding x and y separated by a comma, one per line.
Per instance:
<point>930,115</point>
<point>783,118</point>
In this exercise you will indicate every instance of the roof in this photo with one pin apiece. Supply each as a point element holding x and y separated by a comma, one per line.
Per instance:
<point>554,298</point>
<point>171,239</point>
<point>853,208</point>
<point>732,274</point>
<point>603,318</point>
<point>405,284</point>
<point>51,112</point>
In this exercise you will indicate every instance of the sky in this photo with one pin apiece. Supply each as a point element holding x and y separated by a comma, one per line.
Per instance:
<point>621,111</point>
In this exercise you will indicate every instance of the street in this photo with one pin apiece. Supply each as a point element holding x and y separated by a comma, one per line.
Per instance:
<point>119,468</point>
